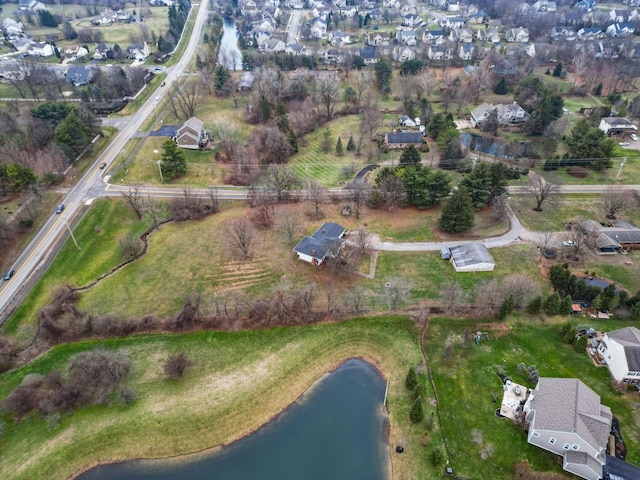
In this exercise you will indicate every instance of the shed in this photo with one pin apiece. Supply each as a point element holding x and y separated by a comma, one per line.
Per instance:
<point>472,257</point>
<point>445,253</point>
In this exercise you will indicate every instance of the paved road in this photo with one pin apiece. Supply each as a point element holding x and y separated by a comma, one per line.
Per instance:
<point>293,28</point>
<point>36,256</point>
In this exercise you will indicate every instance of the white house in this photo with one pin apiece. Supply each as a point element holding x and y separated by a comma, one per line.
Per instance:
<point>565,417</point>
<point>616,125</point>
<point>11,27</point>
<point>319,29</point>
<point>620,350</point>
<point>324,242</point>
<point>620,29</point>
<point>41,49</point>
<point>520,35</point>
<point>508,114</point>
<point>472,257</point>
<point>138,51</point>
<point>403,54</point>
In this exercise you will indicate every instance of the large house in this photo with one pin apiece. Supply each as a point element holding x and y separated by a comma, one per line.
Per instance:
<point>192,134</point>
<point>617,237</point>
<point>138,51</point>
<point>565,417</point>
<point>324,242</point>
<point>402,139</point>
<point>616,125</point>
<point>509,114</point>
<point>471,257</point>
<point>520,35</point>
<point>620,351</point>
<point>79,76</point>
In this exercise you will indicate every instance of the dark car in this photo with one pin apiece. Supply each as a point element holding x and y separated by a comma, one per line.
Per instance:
<point>103,165</point>
<point>9,273</point>
<point>60,208</point>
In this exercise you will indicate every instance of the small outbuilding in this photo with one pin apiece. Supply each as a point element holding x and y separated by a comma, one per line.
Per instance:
<point>472,257</point>
<point>445,253</point>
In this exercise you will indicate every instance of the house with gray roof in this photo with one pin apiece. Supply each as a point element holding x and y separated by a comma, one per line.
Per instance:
<point>620,351</point>
<point>192,134</point>
<point>402,139</point>
<point>79,76</point>
<point>616,237</point>
<point>616,125</point>
<point>508,114</point>
<point>325,242</point>
<point>472,257</point>
<point>565,417</point>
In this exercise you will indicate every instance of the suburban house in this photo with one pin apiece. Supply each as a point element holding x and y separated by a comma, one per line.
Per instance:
<point>439,52</point>
<point>563,33</point>
<point>107,17</point>
<point>103,52</point>
<point>406,37</point>
<point>380,39</point>
<point>509,114</point>
<point>138,51</point>
<point>326,241</point>
<point>79,76</point>
<point>11,27</point>
<point>434,37</point>
<point>491,35</point>
<point>620,29</point>
<point>370,54</point>
<point>585,5</point>
<point>273,45</point>
<point>319,29</point>
<point>465,52</point>
<point>41,49</point>
<point>620,351</point>
<point>402,139</point>
<point>296,49</point>
<point>463,35</point>
<point>617,469</point>
<point>545,6</point>
<point>338,38</point>
<point>74,52</point>
<point>192,134</point>
<point>565,417</point>
<point>616,125</point>
<point>407,121</point>
<point>519,35</point>
<point>31,5</point>
<point>403,54</point>
<point>471,257</point>
<point>590,33</point>
<point>616,237</point>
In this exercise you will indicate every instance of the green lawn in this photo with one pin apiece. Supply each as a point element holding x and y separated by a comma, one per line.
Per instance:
<point>238,381</point>
<point>466,382</point>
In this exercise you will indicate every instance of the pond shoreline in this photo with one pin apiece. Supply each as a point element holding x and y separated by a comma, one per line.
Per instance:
<point>254,429</point>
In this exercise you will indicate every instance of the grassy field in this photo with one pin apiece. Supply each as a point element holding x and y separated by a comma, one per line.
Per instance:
<point>466,383</point>
<point>237,383</point>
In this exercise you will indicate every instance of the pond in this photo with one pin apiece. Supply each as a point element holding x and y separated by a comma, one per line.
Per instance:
<point>334,430</point>
<point>229,55</point>
<point>494,146</point>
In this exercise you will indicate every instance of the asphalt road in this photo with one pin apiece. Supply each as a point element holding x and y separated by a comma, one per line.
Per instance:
<point>34,259</point>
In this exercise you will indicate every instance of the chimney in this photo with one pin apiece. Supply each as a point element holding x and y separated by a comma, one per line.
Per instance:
<point>313,253</point>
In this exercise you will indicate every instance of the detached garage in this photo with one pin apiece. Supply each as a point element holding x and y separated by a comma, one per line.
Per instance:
<point>472,257</point>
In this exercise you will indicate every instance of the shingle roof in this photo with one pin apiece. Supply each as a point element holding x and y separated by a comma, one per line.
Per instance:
<point>324,240</point>
<point>404,137</point>
<point>629,338</point>
<point>568,405</point>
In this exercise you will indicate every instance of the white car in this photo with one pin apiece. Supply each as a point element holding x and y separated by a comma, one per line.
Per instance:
<point>624,144</point>
<point>568,243</point>
<point>634,137</point>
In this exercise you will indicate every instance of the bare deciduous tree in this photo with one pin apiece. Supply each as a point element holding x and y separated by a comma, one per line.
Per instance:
<point>289,226</point>
<point>271,145</point>
<point>540,189</point>
<point>521,288</point>
<point>280,178</point>
<point>396,292</point>
<point>575,239</point>
<point>176,365</point>
<point>185,100</point>
<point>392,192</point>
<point>135,201</point>
<point>362,240</point>
<point>242,237</point>
<point>317,194</point>
<point>130,245</point>
<point>500,207</point>
<point>453,295</point>
<point>614,200</point>
<point>356,299</point>
<point>544,242</point>
<point>359,194</point>
<point>329,93</point>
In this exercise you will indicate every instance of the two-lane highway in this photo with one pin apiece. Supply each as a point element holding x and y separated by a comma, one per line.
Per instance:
<point>37,254</point>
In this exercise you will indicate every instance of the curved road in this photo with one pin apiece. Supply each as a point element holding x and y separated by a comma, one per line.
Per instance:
<point>34,258</point>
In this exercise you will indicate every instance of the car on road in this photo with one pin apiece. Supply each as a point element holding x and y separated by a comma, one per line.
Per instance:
<point>158,98</point>
<point>623,144</point>
<point>60,208</point>
<point>634,137</point>
<point>8,274</point>
<point>103,165</point>
<point>568,243</point>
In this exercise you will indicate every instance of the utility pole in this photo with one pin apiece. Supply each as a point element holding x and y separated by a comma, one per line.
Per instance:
<point>66,222</point>
<point>160,170</point>
<point>624,160</point>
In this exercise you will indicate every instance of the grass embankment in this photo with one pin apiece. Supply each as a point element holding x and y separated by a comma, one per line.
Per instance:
<point>466,382</point>
<point>237,383</point>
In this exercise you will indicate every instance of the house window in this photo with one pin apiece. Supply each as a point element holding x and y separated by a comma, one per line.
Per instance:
<point>535,434</point>
<point>552,440</point>
<point>575,447</point>
<point>567,446</point>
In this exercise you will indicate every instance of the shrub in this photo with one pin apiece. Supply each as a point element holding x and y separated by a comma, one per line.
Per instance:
<point>417,413</point>
<point>411,381</point>
<point>580,344</point>
<point>176,366</point>
<point>578,172</point>
<point>436,456</point>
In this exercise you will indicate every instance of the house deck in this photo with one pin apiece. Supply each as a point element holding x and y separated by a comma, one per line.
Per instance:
<point>513,400</point>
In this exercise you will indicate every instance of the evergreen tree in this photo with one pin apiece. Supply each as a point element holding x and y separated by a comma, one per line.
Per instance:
<point>339,149</point>
<point>325,144</point>
<point>173,162</point>
<point>222,81</point>
<point>436,456</point>
<point>411,381</point>
<point>597,91</point>
<point>351,145</point>
<point>552,304</point>
<point>535,306</point>
<point>47,19</point>
<point>457,213</point>
<point>501,87</point>
<point>557,72</point>
<point>565,305</point>
<point>416,414</point>
<point>383,75</point>
<point>410,156</point>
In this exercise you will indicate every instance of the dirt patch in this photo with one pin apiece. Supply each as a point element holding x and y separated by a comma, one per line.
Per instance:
<point>495,330</point>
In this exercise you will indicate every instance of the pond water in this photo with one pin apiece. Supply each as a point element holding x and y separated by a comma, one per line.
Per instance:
<point>229,55</point>
<point>336,430</point>
<point>493,146</point>
<point>597,282</point>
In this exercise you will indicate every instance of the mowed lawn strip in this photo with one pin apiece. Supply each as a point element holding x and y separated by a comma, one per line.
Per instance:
<point>467,381</point>
<point>237,383</point>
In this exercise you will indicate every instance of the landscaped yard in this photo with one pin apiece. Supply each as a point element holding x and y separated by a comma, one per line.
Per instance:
<point>238,382</point>
<point>467,383</point>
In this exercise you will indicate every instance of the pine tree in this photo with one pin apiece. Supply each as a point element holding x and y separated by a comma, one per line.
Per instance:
<point>351,145</point>
<point>339,149</point>
<point>174,162</point>
<point>417,413</point>
<point>501,87</point>
<point>411,381</point>
<point>535,306</point>
<point>557,72</point>
<point>410,156</point>
<point>457,213</point>
<point>325,144</point>
<point>552,304</point>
